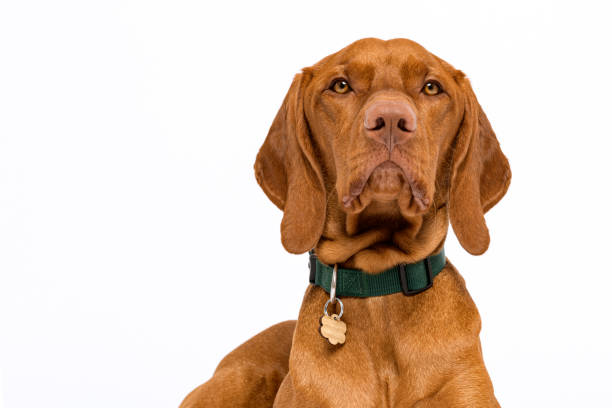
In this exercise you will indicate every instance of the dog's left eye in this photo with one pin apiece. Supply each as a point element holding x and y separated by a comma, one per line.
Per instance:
<point>432,88</point>
<point>340,86</point>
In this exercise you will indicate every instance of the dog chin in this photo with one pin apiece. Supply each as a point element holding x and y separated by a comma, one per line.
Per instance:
<point>387,183</point>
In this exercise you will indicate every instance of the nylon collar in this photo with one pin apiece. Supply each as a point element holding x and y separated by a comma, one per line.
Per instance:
<point>409,279</point>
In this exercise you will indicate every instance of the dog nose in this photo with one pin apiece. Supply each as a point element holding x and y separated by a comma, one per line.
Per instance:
<point>390,122</point>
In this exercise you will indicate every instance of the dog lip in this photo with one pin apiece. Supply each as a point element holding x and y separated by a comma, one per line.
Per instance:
<point>357,187</point>
<point>420,199</point>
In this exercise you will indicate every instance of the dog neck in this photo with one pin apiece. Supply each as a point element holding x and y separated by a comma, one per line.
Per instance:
<point>373,243</point>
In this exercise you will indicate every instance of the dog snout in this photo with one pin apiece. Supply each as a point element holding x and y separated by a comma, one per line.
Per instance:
<point>390,122</point>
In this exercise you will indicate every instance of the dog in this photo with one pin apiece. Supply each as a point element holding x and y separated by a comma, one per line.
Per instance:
<point>374,151</point>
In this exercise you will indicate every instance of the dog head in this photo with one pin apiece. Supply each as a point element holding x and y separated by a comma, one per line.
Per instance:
<point>374,149</point>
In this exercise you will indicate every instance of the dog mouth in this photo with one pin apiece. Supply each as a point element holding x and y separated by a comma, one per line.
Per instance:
<point>387,181</point>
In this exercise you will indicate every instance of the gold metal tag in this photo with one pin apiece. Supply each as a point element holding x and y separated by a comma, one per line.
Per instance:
<point>333,329</point>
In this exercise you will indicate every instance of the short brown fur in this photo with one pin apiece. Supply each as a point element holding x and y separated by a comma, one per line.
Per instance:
<point>365,206</point>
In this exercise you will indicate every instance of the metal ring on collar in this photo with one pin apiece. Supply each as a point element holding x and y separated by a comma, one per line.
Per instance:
<point>332,290</point>
<point>341,308</point>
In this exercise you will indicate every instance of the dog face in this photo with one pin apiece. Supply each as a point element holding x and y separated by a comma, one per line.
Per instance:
<point>377,146</point>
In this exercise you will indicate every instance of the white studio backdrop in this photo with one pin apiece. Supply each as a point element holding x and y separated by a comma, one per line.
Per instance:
<point>136,249</point>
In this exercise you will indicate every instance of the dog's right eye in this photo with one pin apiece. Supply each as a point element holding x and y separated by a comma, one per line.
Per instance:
<point>340,86</point>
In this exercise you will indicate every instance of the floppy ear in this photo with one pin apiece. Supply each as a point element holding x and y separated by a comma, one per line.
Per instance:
<point>480,175</point>
<point>287,170</point>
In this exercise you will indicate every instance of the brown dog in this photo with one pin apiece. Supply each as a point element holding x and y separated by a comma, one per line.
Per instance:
<point>374,150</point>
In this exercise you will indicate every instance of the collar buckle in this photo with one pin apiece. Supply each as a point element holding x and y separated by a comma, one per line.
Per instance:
<point>312,265</point>
<point>404,279</point>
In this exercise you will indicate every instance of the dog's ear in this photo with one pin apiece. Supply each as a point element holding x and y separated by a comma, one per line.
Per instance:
<point>480,174</point>
<point>287,170</point>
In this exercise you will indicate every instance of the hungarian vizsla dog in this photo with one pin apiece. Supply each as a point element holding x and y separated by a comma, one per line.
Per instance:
<point>374,151</point>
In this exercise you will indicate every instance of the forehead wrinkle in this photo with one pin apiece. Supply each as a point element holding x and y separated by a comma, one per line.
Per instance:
<point>413,68</point>
<point>361,71</point>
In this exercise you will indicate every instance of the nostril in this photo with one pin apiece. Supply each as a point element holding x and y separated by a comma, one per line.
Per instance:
<point>402,125</point>
<point>380,123</point>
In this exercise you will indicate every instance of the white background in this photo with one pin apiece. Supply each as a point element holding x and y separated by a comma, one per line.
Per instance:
<point>136,248</point>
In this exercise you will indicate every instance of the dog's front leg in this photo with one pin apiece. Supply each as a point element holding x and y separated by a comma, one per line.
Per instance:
<point>249,376</point>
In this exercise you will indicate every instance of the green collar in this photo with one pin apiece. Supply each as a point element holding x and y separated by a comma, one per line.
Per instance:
<point>410,279</point>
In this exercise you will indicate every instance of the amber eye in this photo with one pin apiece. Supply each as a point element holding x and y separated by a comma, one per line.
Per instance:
<point>432,88</point>
<point>340,86</point>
